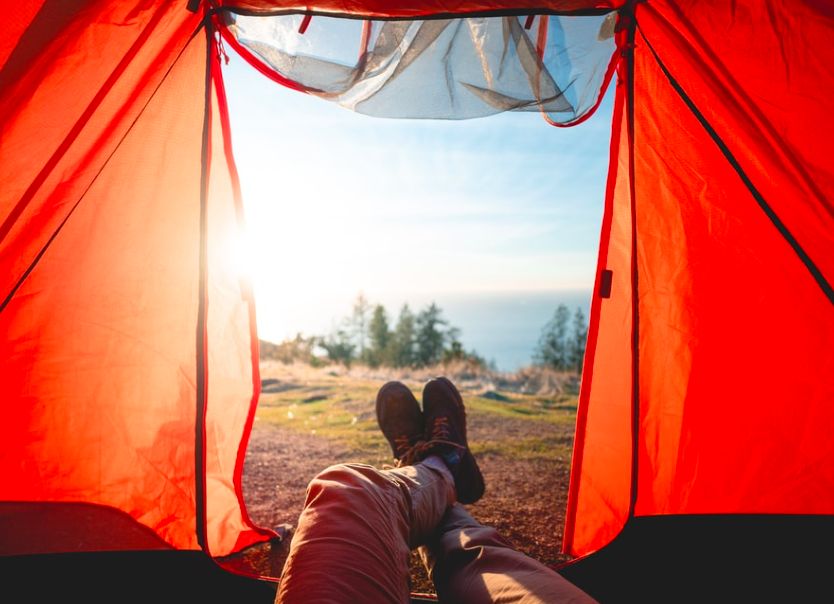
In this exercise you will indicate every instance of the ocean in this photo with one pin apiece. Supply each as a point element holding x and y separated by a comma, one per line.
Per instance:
<point>504,328</point>
<point>501,327</point>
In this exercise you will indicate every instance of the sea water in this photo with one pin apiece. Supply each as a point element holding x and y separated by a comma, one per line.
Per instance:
<point>504,328</point>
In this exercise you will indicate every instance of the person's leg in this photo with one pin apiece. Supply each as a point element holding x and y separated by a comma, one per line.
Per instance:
<point>473,564</point>
<point>356,532</point>
<point>359,524</point>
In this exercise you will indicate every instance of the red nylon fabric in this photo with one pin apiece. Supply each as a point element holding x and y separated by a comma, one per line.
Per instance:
<point>601,468</point>
<point>232,343</point>
<point>93,373</point>
<point>103,109</point>
<point>734,374</point>
<point>100,242</point>
<point>734,331</point>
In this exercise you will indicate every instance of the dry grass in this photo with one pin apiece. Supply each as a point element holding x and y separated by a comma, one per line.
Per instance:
<point>466,376</point>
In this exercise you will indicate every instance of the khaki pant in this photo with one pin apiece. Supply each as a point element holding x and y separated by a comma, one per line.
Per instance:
<point>358,527</point>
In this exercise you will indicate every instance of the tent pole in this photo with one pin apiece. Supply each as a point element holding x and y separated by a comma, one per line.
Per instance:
<point>201,339</point>
<point>635,306</point>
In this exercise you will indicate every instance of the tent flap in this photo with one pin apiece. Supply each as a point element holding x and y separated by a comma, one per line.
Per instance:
<point>732,220</point>
<point>103,166</point>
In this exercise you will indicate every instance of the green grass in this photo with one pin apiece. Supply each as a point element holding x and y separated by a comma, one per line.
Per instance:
<point>526,407</point>
<point>343,410</point>
<point>526,448</point>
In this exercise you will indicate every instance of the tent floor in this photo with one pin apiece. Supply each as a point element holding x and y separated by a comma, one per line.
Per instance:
<point>57,552</point>
<point>665,559</point>
<point>713,558</point>
<point>153,576</point>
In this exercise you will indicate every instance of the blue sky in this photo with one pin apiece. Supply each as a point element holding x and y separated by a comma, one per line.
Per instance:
<point>339,203</point>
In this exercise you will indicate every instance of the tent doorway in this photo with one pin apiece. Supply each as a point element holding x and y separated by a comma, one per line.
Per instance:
<point>456,212</point>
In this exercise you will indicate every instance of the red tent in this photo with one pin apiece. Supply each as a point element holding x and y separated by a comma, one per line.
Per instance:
<point>129,370</point>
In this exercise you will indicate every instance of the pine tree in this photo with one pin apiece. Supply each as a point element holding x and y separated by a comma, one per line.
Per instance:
<point>339,346</point>
<point>430,335</point>
<point>379,335</point>
<point>552,350</point>
<point>402,342</point>
<point>576,342</point>
<point>359,322</point>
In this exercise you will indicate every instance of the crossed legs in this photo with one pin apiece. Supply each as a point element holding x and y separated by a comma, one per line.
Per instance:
<point>359,524</point>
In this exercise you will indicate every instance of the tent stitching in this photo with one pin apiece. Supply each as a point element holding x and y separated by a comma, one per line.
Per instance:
<point>93,180</point>
<point>757,196</point>
<point>77,128</point>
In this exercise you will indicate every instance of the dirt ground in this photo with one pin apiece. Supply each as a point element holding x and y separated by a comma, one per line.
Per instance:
<point>525,500</point>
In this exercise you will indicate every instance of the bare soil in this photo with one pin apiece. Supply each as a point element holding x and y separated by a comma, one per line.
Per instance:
<point>525,499</point>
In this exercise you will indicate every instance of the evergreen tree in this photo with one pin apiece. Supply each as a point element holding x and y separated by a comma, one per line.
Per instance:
<point>430,335</point>
<point>576,341</point>
<point>552,350</point>
<point>455,351</point>
<point>359,322</point>
<point>339,346</point>
<point>401,345</point>
<point>379,335</point>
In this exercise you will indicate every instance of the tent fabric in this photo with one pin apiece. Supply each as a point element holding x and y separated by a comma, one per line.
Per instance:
<point>108,394</point>
<point>88,412</point>
<point>601,467</point>
<point>232,343</point>
<point>129,347</point>
<point>129,367</point>
<point>438,69</point>
<point>732,324</point>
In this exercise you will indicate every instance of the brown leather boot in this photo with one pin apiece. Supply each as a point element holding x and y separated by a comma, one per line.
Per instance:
<point>445,419</point>
<point>401,421</point>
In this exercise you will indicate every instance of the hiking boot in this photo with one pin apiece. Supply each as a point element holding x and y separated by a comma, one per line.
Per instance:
<point>401,421</point>
<point>445,419</point>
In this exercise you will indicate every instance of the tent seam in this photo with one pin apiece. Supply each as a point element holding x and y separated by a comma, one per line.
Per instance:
<point>745,179</point>
<point>93,180</point>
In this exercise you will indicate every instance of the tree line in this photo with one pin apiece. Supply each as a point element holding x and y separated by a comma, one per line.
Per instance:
<point>367,335</point>
<point>423,339</point>
<point>417,339</point>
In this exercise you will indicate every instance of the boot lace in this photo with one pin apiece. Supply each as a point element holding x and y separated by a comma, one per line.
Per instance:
<point>411,454</point>
<point>402,444</point>
<point>408,454</point>
<point>441,429</point>
<point>440,435</point>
